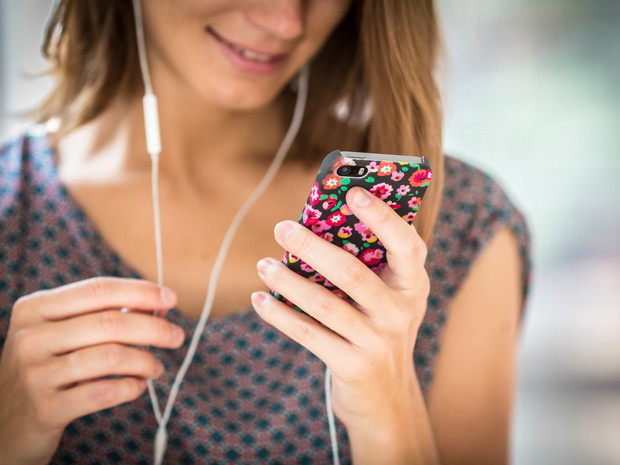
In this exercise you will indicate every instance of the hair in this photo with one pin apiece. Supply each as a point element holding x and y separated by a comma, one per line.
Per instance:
<point>372,85</point>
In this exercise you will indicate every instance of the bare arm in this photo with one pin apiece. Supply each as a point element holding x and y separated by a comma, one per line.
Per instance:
<point>472,392</point>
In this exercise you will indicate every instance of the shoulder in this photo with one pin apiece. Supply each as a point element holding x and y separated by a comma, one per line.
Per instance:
<point>475,208</point>
<point>22,158</point>
<point>23,169</point>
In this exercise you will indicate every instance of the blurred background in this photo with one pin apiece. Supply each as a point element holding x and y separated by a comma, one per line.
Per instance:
<point>532,95</point>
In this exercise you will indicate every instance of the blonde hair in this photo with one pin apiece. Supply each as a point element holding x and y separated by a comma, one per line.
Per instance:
<point>381,57</point>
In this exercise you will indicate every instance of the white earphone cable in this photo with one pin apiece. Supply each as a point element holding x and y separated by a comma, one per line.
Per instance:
<point>154,148</point>
<point>330,417</point>
<point>153,143</point>
<point>219,261</point>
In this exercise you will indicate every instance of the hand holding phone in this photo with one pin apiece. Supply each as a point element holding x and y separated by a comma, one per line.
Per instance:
<point>400,181</point>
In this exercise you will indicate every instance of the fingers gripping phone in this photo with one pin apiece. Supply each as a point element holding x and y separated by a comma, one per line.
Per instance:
<point>400,181</point>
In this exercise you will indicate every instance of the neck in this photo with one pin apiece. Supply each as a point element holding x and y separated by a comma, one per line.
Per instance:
<point>194,134</point>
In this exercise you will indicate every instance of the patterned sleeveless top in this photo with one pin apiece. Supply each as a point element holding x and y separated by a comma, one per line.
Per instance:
<point>251,395</point>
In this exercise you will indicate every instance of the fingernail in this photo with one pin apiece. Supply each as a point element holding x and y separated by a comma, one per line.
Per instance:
<point>179,334</point>
<point>258,298</point>
<point>282,230</point>
<point>167,295</point>
<point>160,369</point>
<point>361,197</point>
<point>263,265</point>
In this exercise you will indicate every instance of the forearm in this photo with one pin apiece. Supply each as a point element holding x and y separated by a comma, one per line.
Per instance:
<point>407,439</point>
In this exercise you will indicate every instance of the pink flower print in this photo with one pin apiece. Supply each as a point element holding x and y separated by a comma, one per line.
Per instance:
<point>414,202</point>
<point>371,256</point>
<point>365,232</point>
<point>397,175</point>
<point>420,177</point>
<point>329,237</point>
<point>345,210</point>
<point>331,181</point>
<point>320,226</point>
<point>409,216</point>
<point>403,190</point>
<point>336,219</point>
<point>386,168</point>
<point>327,283</point>
<point>305,267</point>
<point>382,190</point>
<point>289,257</point>
<point>379,267</point>
<point>329,204</point>
<point>345,232</point>
<point>361,227</point>
<point>315,194</point>
<point>373,167</point>
<point>310,215</point>
<point>351,248</point>
<point>394,205</point>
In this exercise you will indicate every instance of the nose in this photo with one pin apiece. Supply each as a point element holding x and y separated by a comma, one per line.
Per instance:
<point>279,17</point>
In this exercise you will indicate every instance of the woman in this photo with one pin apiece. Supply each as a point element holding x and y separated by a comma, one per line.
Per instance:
<point>423,367</point>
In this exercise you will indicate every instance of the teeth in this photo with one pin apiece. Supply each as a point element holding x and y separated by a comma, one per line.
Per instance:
<point>254,56</point>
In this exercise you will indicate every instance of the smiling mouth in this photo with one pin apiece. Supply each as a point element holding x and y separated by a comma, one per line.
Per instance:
<point>246,52</point>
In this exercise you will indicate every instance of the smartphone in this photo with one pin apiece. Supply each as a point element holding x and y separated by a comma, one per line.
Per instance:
<point>398,180</point>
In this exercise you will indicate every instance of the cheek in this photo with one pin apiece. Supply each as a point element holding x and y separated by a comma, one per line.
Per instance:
<point>176,28</point>
<point>201,10</point>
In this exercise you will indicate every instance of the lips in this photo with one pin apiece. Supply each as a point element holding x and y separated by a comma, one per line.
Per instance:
<point>259,56</point>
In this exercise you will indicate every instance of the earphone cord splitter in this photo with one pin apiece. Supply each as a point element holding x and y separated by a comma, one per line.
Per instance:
<point>153,143</point>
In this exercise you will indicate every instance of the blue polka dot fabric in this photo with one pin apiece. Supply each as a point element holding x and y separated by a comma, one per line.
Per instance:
<point>252,395</point>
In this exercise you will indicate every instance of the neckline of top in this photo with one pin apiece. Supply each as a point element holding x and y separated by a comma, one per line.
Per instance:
<point>99,242</point>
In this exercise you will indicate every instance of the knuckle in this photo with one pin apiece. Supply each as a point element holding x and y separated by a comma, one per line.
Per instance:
<point>425,283</point>
<point>24,343</point>
<point>110,323</point>
<point>111,355</point>
<point>303,331</point>
<point>323,305</point>
<point>356,275</point>
<point>23,303</point>
<point>411,244</point>
<point>422,248</point>
<point>96,287</point>
<point>416,245</point>
<point>385,214</point>
<point>104,393</point>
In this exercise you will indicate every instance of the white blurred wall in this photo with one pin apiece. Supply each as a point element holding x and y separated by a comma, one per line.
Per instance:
<point>21,32</point>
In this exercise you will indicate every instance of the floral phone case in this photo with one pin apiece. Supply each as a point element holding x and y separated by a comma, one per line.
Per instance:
<point>400,181</point>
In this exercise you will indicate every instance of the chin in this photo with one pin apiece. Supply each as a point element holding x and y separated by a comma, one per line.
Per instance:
<point>242,95</point>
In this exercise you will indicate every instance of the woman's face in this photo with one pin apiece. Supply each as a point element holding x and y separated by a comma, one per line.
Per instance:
<point>204,44</point>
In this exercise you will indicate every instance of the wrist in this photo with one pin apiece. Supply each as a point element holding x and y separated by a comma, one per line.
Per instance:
<point>393,443</point>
